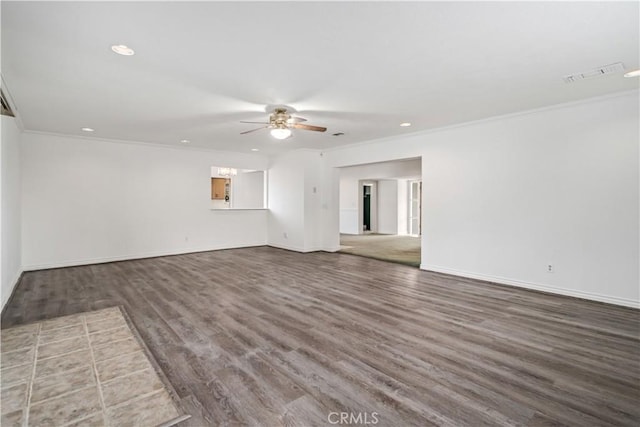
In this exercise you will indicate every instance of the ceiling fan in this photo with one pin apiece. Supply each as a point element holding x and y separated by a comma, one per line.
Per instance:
<point>280,122</point>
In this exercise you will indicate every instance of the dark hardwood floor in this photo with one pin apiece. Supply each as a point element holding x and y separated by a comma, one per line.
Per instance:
<point>263,336</point>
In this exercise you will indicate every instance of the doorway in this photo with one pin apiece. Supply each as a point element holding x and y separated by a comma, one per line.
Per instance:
<point>366,208</point>
<point>375,208</point>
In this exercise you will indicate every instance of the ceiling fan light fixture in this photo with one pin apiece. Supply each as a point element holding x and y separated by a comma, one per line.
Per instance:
<point>280,124</point>
<point>281,133</point>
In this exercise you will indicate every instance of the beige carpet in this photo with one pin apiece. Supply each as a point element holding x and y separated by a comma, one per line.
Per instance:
<point>386,247</point>
<point>87,369</point>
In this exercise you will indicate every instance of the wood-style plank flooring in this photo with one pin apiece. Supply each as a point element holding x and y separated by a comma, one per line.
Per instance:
<point>263,336</point>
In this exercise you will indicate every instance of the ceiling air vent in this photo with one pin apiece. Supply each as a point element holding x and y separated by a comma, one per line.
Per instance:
<point>6,108</point>
<point>596,72</point>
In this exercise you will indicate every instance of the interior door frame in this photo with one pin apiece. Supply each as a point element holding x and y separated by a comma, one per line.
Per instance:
<point>374,205</point>
<point>417,215</point>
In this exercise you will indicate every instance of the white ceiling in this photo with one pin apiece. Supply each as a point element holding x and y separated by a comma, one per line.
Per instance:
<point>359,68</point>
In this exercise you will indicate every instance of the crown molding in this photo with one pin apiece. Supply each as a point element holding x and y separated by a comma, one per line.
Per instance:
<point>407,136</point>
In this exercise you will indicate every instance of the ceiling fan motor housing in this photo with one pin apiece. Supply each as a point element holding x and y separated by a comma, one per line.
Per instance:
<point>280,118</point>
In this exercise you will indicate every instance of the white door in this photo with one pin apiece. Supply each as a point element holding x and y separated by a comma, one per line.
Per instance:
<point>415,199</point>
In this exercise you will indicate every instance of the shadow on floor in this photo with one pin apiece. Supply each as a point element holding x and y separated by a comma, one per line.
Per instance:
<point>385,247</point>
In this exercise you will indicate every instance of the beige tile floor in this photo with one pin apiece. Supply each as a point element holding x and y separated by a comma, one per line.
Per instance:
<point>87,369</point>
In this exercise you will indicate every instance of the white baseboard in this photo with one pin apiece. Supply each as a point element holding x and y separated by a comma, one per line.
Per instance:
<point>14,283</point>
<point>89,261</point>
<point>286,247</point>
<point>305,250</point>
<point>534,286</point>
<point>294,248</point>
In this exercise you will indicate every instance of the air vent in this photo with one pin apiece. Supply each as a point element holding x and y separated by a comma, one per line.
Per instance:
<point>596,72</point>
<point>6,108</point>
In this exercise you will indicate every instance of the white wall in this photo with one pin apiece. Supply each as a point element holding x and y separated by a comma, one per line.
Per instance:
<point>350,195</point>
<point>295,201</point>
<point>11,266</point>
<point>312,193</point>
<point>387,206</point>
<point>86,201</point>
<point>286,201</point>
<point>247,190</point>
<point>503,198</point>
<point>330,206</point>
<point>403,207</point>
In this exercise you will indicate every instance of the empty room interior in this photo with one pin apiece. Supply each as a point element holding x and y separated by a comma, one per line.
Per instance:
<point>320,213</point>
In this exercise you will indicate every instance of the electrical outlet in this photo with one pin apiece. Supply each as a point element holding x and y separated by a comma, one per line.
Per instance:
<point>549,268</point>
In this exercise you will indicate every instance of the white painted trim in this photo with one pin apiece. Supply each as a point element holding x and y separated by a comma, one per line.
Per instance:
<point>130,257</point>
<point>331,249</point>
<point>534,286</point>
<point>397,138</point>
<point>287,247</point>
<point>294,248</point>
<point>13,287</point>
<point>314,249</point>
<point>307,149</point>
<point>150,144</point>
<point>237,209</point>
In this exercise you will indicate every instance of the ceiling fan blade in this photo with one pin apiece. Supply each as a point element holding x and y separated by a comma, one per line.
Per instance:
<point>296,120</point>
<point>253,130</point>
<point>257,123</point>
<point>308,127</point>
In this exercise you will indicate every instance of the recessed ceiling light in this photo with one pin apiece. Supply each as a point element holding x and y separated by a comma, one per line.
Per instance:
<point>255,149</point>
<point>121,49</point>
<point>405,124</point>
<point>87,130</point>
<point>185,141</point>
<point>634,73</point>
